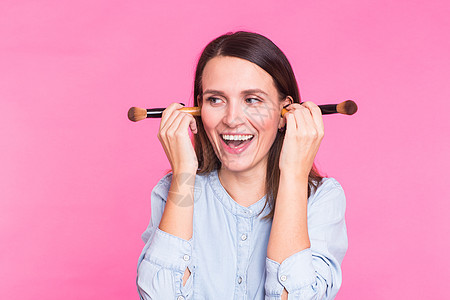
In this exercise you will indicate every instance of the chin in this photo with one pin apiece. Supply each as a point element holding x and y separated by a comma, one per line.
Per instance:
<point>235,167</point>
<point>238,165</point>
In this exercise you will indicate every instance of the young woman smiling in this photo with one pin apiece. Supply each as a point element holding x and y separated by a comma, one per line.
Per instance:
<point>244,214</point>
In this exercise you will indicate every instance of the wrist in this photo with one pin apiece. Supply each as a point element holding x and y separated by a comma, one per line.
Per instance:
<point>294,175</point>
<point>185,167</point>
<point>183,172</point>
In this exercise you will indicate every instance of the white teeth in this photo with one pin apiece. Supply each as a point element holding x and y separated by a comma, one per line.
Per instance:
<point>237,137</point>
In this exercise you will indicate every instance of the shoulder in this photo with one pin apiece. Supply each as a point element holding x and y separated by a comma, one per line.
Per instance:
<point>328,184</point>
<point>329,189</point>
<point>328,204</point>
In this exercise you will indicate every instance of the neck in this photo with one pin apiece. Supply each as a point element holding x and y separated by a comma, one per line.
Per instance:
<point>245,187</point>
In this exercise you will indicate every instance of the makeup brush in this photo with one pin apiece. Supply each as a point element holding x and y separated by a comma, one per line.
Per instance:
<point>135,114</point>
<point>348,107</point>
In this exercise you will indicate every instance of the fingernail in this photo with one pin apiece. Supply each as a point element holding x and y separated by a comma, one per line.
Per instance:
<point>182,104</point>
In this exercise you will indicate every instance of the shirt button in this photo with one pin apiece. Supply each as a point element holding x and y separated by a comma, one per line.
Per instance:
<point>186,258</point>
<point>180,298</point>
<point>283,277</point>
<point>243,237</point>
<point>240,280</point>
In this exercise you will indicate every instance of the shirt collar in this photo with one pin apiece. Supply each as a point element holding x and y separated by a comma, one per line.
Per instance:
<point>237,209</point>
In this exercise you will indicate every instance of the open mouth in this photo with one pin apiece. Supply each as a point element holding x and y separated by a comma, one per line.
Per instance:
<point>236,140</point>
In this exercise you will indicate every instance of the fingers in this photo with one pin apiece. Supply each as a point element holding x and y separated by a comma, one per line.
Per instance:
<point>291,124</point>
<point>172,119</point>
<point>304,133</point>
<point>169,114</point>
<point>186,120</point>
<point>307,118</point>
<point>174,137</point>
<point>316,114</point>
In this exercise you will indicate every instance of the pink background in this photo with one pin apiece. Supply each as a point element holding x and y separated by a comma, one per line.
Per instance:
<point>76,175</point>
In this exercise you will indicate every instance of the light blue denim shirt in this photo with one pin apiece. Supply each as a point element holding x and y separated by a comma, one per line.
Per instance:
<point>227,254</point>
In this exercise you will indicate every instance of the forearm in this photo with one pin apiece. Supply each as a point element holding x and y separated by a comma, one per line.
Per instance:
<point>307,269</point>
<point>177,217</point>
<point>289,233</point>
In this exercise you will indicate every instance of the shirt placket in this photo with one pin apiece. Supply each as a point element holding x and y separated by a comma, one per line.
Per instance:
<point>243,234</point>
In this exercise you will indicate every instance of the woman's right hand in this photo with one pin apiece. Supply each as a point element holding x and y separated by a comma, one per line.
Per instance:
<point>174,137</point>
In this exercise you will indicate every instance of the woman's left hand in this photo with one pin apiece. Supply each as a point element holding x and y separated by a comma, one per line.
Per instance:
<point>304,133</point>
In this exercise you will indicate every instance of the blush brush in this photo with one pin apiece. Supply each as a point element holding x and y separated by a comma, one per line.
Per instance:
<point>135,114</point>
<point>347,107</point>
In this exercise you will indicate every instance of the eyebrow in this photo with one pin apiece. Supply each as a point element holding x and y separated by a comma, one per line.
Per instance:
<point>249,91</point>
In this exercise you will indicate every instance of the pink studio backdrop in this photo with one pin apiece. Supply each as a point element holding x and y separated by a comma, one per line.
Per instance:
<point>76,175</point>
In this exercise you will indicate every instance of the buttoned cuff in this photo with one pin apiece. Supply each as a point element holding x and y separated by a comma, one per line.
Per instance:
<point>169,251</point>
<point>294,273</point>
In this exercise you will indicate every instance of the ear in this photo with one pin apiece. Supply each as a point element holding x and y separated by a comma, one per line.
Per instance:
<point>288,100</point>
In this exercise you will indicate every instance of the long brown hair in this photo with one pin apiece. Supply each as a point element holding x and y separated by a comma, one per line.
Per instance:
<point>264,53</point>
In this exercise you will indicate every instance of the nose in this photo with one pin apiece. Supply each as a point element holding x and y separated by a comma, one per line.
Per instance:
<point>234,115</point>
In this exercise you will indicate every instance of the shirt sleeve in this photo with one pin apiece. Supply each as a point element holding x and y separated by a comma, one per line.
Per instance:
<point>315,272</point>
<point>165,257</point>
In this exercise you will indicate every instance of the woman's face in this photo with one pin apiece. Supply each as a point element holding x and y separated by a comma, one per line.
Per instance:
<point>240,112</point>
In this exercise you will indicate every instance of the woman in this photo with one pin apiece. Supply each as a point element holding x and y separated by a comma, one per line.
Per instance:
<point>244,214</point>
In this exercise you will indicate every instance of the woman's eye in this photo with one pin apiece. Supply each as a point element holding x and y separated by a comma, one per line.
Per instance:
<point>213,100</point>
<point>252,100</point>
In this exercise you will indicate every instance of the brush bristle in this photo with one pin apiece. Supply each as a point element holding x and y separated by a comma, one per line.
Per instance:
<point>136,114</point>
<point>348,107</point>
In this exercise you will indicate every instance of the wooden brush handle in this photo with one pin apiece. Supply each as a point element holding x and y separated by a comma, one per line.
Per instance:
<point>195,111</point>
